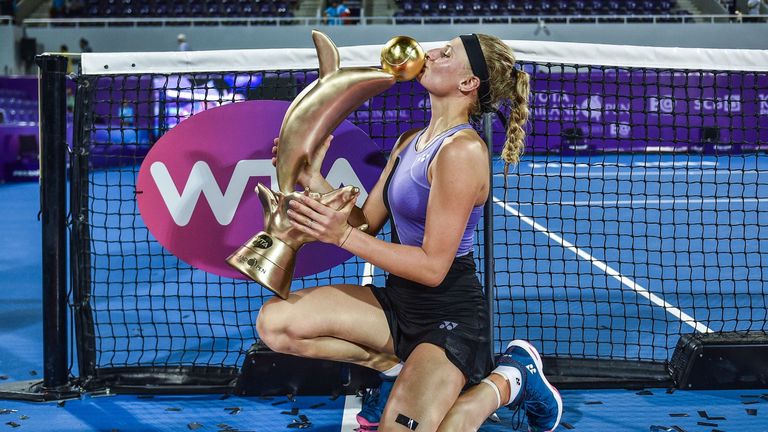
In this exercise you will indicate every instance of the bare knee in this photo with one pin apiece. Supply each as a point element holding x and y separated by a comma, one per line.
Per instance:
<point>273,326</point>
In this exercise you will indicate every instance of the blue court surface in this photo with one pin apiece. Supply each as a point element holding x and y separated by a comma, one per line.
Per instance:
<point>610,257</point>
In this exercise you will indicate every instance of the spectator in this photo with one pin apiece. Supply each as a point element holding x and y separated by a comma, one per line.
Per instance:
<point>182,40</point>
<point>730,6</point>
<point>64,50</point>
<point>336,12</point>
<point>85,46</point>
<point>753,7</point>
<point>2,116</point>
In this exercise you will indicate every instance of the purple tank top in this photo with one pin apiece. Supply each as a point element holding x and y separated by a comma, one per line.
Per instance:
<point>407,193</point>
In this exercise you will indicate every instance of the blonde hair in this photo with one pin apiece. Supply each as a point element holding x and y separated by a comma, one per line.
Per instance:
<point>506,83</point>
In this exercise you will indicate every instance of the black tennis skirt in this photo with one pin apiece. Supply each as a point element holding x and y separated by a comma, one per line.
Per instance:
<point>452,315</point>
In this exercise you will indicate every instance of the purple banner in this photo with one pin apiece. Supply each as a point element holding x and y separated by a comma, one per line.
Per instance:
<point>643,110</point>
<point>585,110</point>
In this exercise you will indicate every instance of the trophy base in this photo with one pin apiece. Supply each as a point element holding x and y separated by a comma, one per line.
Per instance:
<point>268,261</point>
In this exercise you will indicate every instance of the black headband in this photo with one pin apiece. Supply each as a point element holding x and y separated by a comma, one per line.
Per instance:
<point>479,68</point>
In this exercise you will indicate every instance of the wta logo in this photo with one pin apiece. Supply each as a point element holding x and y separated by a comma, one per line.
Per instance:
<point>196,187</point>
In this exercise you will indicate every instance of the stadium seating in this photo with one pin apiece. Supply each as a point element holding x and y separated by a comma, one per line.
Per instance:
<point>185,9</point>
<point>16,108</point>
<point>437,9</point>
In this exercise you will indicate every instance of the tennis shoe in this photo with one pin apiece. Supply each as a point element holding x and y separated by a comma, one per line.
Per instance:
<point>374,401</point>
<point>540,401</point>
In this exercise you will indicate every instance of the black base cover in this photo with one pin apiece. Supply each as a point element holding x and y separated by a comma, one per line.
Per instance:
<point>267,373</point>
<point>734,360</point>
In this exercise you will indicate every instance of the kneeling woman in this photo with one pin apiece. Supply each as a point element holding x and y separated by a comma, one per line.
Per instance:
<point>429,326</point>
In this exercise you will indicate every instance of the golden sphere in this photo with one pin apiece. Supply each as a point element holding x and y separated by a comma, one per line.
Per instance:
<point>403,57</point>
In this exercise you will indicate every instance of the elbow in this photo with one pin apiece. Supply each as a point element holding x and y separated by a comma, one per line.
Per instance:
<point>434,278</point>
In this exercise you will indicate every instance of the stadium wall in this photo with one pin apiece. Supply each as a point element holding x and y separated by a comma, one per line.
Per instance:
<point>123,39</point>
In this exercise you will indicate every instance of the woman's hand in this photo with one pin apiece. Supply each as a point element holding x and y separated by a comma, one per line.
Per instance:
<point>309,177</point>
<point>320,221</point>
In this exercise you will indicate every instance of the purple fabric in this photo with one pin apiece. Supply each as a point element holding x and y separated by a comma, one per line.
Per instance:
<point>408,193</point>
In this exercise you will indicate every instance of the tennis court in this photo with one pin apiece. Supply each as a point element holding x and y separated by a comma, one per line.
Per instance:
<point>636,216</point>
<point>573,295</point>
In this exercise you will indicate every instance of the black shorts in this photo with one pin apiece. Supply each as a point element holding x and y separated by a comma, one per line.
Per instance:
<point>453,316</point>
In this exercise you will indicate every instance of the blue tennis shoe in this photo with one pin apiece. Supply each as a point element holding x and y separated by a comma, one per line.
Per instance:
<point>540,401</point>
<point>374,401</point>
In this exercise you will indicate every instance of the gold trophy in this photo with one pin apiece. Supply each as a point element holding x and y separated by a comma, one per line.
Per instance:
<point>269,256</point>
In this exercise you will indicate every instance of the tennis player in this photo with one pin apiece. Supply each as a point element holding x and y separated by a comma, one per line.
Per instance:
<point>427,330</point>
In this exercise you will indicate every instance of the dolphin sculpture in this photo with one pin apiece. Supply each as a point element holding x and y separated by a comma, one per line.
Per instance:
<point>269,256</point>
<point>321,107</point>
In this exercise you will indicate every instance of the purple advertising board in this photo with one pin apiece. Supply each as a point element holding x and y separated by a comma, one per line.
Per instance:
<point>588,109</point>
<point>641,110</point>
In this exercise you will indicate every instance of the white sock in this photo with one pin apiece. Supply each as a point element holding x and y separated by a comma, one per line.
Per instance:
<point>392,372</point>
<point>514,378</point>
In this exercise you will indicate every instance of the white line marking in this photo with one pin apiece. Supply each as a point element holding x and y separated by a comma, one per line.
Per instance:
<point>367,274</point>
<point>677,313</point>
<point>684,201</point>
<point>352,405</point>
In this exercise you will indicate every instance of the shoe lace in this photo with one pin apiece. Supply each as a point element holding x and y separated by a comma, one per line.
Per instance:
<point>371,398</point>
<point>517,417</point>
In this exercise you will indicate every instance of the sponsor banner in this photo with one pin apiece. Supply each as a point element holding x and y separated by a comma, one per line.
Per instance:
<point>195,188</point>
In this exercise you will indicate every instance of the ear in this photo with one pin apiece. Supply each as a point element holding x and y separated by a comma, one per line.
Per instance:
<point>469,84</point>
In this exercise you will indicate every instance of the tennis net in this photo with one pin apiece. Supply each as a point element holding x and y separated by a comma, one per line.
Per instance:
<point>637,214</point>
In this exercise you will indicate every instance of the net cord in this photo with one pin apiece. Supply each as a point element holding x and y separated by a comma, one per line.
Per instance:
<point>369,55</point>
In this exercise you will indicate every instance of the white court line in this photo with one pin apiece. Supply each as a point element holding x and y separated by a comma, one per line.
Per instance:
<point>641,201</point>
<point>352,405</point>
<point>367,274</point>
<point>677,313</point>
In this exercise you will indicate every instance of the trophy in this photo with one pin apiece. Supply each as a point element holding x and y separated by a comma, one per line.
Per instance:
<point>269,256</point>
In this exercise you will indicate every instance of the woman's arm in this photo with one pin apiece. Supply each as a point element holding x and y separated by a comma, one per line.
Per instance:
<point>459,180</point>
<point>373,208</point>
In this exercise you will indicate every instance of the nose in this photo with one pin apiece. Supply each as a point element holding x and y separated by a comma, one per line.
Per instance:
<point>433,54</point>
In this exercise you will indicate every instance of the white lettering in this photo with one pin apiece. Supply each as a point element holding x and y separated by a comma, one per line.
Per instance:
<point>665,105</point>
<point>763,104</point>
<point>619,130</point>
<point>224,204</point>
<point>201,179</point>
<point>727,103</point>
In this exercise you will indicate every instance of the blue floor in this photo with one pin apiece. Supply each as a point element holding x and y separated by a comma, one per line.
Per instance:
<point>547,293</point>
<point>594,410</point>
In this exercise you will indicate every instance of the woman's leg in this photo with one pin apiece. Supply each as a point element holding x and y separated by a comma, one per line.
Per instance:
<point>520,381</point>
<point>424,392</point>
<point>334,322</point>
<point>475,405</point>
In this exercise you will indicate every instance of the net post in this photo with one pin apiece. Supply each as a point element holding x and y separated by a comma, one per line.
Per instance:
<point>79,239</point>
<point>53,209</point>
<point>488,268</point>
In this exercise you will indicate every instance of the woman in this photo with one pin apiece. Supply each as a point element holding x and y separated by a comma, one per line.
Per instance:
<point>432,315</point>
